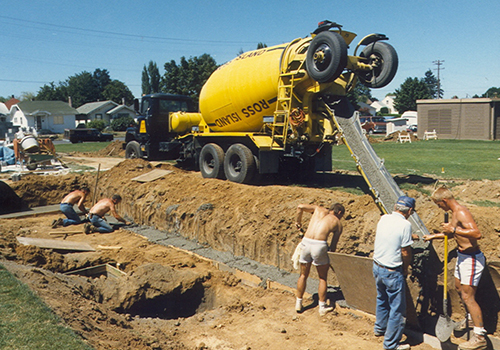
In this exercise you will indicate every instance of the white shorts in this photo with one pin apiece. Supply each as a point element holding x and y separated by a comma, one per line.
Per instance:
<point>469,268</point>
<point>314,251</point>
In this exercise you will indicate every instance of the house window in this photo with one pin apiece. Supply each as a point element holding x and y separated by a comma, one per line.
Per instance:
<point>98,116</point>
<point>58,119</point>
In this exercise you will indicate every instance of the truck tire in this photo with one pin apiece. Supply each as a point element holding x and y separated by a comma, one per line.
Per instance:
<point>385,59</point>
<point>326,57</point>
<point>239,164</point>
<point>212,161</point>
<point>133,150</point>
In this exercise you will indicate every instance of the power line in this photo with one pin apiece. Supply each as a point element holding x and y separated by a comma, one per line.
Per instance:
<point>126,35</point>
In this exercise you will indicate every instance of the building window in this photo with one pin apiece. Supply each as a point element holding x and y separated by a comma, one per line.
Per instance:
<point>58,119</point>
<point>98,116</point>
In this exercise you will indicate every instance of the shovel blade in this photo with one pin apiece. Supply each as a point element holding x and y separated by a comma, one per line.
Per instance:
<point>444,327</point>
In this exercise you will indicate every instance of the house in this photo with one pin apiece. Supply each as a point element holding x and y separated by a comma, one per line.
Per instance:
<point>4,112</point>
<point>460,119</point>
<point>363,107</point>
<point>95,110</point>
<point>387,102</point>
<point>50,115</point>
<point>122,111</point>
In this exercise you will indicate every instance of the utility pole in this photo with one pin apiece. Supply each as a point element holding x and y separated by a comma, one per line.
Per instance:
<point>438,63</point>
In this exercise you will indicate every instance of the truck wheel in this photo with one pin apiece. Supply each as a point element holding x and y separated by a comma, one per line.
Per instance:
<point>384,60</point>
<point>212,161</point>
<point>239,164</point>
<point>326,57</point>
<point>133,150</point>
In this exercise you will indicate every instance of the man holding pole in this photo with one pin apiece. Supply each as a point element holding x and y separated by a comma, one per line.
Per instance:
<point>470,260</point>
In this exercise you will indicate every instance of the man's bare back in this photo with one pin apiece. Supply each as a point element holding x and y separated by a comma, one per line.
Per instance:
<point>73,197</point>
<point>322,223</point>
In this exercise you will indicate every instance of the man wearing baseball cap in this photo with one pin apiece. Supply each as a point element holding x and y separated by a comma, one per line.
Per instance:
<point>391,258</point>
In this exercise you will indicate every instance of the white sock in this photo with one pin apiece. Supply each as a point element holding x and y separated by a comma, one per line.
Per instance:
<point>480,331</point>
<point>298,304</point>
<point>322,304</point>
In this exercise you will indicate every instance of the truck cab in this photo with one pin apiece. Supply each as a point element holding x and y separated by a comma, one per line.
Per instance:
<point>151,137</point>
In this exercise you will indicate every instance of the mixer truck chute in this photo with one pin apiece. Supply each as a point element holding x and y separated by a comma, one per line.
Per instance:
<point>266,111</point>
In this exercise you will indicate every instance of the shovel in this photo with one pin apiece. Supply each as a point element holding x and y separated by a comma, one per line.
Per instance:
<point>445,325</point>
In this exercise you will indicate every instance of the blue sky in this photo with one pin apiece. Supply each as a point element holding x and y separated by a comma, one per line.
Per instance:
<point>45,41</point>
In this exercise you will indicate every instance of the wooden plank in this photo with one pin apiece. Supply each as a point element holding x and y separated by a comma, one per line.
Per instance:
<point>152,175</point>
<point>355,276</point>
<point>56,244</point>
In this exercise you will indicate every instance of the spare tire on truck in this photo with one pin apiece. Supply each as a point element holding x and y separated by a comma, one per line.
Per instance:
<point>326,57</point>
<point>384,59</point>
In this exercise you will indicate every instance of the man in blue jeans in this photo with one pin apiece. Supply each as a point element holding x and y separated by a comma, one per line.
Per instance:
<point>391,258</point>
<point>96,215</point>
<point>76,197</point>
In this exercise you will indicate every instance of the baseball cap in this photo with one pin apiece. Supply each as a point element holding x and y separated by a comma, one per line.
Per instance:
<point>406,201</point>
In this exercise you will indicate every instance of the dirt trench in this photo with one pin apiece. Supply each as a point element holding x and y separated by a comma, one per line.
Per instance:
<point>251,221</point>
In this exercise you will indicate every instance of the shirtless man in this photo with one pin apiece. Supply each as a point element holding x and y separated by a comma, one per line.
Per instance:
<point>97,212</point>
<point>470,260</point>
<point>315,248</point>
<point>76,197</point>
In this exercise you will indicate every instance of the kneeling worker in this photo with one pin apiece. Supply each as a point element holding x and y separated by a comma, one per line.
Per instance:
<point>75,197</point>
<point>96,215</point>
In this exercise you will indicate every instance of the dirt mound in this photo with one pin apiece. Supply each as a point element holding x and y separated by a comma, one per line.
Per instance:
<point>114,149</point>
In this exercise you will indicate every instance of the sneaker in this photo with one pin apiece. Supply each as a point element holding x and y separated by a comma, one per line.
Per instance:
<point>324,310</point>
<point>87,228</point>
<point>477,342</point>
<point>403,347</point>
<point>378,334</point>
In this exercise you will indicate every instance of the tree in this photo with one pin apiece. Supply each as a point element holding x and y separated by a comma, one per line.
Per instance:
<point>86,87</point>
<point>410,91</point>
<point>117,91</point>
<point>492,92</point>
<point>27,96</point>
<point>187,78</point>
<point>261,46</point>
<point>150,78</point>
<point>360,93</point>
<point>433,85</point>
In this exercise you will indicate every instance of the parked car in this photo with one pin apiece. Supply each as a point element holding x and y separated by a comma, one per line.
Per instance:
<point>86,135</point>
<point>373,125</point>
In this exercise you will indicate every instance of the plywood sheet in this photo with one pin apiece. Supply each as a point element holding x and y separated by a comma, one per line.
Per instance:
<point>152,175</point>
<point>56,244</point>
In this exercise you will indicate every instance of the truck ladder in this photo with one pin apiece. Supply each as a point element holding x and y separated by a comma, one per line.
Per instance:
<point>281,115</point>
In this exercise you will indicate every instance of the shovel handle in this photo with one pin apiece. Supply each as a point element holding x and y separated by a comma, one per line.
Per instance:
<point>445,289</point>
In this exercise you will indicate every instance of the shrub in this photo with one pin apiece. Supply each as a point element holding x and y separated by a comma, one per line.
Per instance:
<point>98,124</point>
<point>121,124</point>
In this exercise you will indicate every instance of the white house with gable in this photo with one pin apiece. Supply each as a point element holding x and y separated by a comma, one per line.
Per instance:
<point>49,115</point>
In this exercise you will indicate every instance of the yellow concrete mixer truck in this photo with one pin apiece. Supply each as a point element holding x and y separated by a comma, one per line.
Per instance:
<point>266,111</point>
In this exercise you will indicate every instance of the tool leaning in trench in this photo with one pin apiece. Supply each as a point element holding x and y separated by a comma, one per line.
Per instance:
<point>445,325</point>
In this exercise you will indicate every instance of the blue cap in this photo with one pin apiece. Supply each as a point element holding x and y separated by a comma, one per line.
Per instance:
<point>406,201</point>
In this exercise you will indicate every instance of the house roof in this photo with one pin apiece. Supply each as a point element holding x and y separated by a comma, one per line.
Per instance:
<point>11,102</point>
<point>92,106</point>
<point>119,108</point>
<point>52,107</point>
<point>3,109</point>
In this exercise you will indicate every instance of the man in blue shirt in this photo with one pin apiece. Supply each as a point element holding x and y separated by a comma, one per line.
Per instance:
<point>391,258</point>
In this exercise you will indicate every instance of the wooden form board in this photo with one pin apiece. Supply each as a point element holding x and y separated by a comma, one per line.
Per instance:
<point>152,175</point>
<point>56,244</point>
<point>355,276</point>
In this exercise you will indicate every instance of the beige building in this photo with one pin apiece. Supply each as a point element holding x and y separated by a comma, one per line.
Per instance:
<point>460,119</point>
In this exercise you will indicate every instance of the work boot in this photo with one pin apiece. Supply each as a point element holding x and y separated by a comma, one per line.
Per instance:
<point>58,222</point>
<point>477,342</point>
<point>324,310</point>
<point>87,228</point>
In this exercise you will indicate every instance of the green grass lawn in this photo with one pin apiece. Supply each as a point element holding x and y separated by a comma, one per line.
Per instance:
<point>27,323</point>
<point>81,147</point>
<point>460,159</point>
